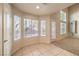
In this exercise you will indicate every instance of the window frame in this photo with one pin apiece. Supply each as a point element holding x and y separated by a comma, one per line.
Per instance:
<point>64,22</point>
<point>43,34</point>
<point>31,35</point>
<point>19,17</point>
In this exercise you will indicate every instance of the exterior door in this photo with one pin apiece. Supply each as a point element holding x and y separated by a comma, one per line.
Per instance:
<point>0,29</point>
<point>53,31</point>
<point>7,42</point>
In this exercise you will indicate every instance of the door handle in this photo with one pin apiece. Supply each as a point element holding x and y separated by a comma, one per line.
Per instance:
<point>5,41</point>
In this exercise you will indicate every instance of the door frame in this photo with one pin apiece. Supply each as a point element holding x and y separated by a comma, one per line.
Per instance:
<point>3,13</point>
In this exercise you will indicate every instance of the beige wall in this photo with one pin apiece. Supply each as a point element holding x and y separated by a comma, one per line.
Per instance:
<point>0,29</point>
<point>74,14</point>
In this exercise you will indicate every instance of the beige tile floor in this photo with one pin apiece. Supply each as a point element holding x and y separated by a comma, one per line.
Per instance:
<point>42,50</point>
<point>69,44</point>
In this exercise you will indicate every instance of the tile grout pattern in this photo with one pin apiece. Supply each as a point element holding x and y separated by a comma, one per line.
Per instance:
<point>42,50</point>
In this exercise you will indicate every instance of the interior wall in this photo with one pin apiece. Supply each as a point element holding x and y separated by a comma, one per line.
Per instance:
<point>74,15</point>
<point>0,29</point>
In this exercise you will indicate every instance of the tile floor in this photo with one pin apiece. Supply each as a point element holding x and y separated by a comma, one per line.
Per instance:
<point>69,44</point>
<point>42,50</point>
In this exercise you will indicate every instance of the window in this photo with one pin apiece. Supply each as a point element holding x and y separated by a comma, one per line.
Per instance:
<point>53,30</point>
<point>72,26</point>
<point>17,27</point>
<point>63,22</point>
<point>43,27</point>
<point>35,27</point>
<point>77,27</point>
<point>63,28</point>
<point>63,16</point>
<point>30,27</point>
<point>27,27</point>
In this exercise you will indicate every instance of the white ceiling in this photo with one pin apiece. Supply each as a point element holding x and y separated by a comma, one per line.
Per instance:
<point>45,8</point>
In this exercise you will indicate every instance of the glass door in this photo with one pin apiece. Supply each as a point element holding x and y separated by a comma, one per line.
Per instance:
<point>53,31</point>
<point>7,31</point>
<point>7,35</point>
<point>17,27</point>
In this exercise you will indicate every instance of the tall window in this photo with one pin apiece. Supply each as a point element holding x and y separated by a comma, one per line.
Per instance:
<point>17,27</point>
<point>27,27</point>
<point>43,27</point>
<point>53,30</point>
<point>35,27</point>
<point>30,27</point>
<point>63,22</point>
<point>72,26</point>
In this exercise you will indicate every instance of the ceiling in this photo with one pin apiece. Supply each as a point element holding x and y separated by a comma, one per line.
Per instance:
<point>45,8</point>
